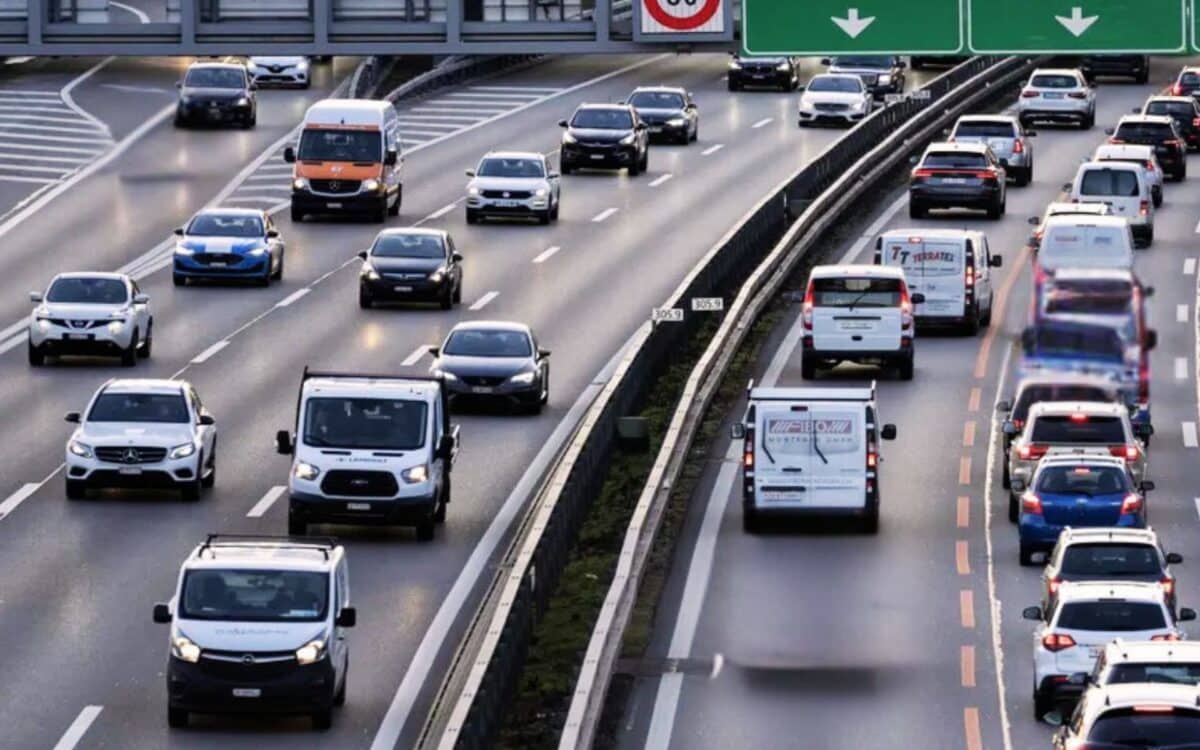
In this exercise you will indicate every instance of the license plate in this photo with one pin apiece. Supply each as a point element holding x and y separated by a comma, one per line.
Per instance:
<point>218,264</point>
<point>481,389</point>
<point>507,204</point>
<point>402,288</point>
<point>75,336</point>
<point>1049,95</point>
<point>656,129</point>
<point>247,692</point>
<point>855,325</point>
<point>333,204</point>
<point>358,506</point>
<point>597,157</point>
<point>954,180</point>
<point>130,471</point>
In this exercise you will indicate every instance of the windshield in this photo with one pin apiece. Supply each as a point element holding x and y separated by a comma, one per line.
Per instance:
<point>1088,431</point>
<point>1178,674</point>
<point>863,61</point>
<point>657,100</point>
<point>1144,131</point>
<point>926,258</point>
<point>1054,82</point>
<point>408,246</point>
<point>1147,729</point>
<point>254,595</point>
<point>1110,559</point>
<point>985,129</point>
<point>340,145</point>
<point>1090,297</point>
<point>214,225</point>
<point>1111,616</point>
<point>1036,393</point>
<point>215,78</point>
<point>840,84</point>
<point>1090,342</point>
<point>478,343</point>
<point>496,167</point>
<point>1171,108</point>
<point>88,291</point>
<point>364,423</point>
<point>140,407</point>
<point>602,119</point>
<point>954,160</point>
<point>857,292</point>
<point>1110,182</point>
<point>1083,480</point>
<point>1190,78</point>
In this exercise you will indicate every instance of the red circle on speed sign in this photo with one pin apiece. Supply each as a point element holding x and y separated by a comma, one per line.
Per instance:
<point>703,14</point>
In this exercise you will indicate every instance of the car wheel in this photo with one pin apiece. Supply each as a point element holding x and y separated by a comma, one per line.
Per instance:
<point>251,121</point>
<point>645,165</point>
<point>870,522</point>
<point>395,208</point>
<point>447,299</point>
<point>339,698</point>
<point>1042,704</point>
<point>177,718</point>
<point>473,216</point>
<point>916,210</point>
<point>1026,122</point>
<point>635,168</point>
<point>1023,176</point>
<point>971,327</point>
<point>750,521</point>
<point>297,215</point>
<point>1143,78</point>
<point>439,513</point>
<point>1005,481</point>
<point>458,292</point>
<point>1014,507</point>
<point>296,526</point>
<point>380,215</point>
<point>322,720</point>
<point>696,133</point>
<point>178,279</point>
<point>566,167</point>
<point>364,299</point>
<point>544,217</point>
<point>37,357</point>
<point>808,369</point>
<point>129,354</point>
<point>144,352</point>
<point>190,492</point>
<point>733,86</point>
<point>1157,197</point>
<point>906,368</point>
<point>996,210</point>
<point>1088,122</point>
<point>207,481</point>
<point>986,320</point>
<point>76,489</point>
<point>1026,555</point>
<point>265,279</point>
<point>554,211</point>
<point>425,530</point>
<point>279,270</point>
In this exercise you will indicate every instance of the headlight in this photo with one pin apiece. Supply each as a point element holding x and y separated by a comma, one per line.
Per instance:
<point>568,138</point>
<point>302,65</point>
<point>310,653</point>
<point>182,451</point>
<point>522,378</point>
<point>369,271</point>
<point>79,449</point>
<point>116,326</point>
<point>628,140</point>
<point>735,65</point>
<point>677,122</point>
<point>307,472</point>
<point>884,79</point>
<point>184,250</point>
<point>472,190</point>
<point>183,649</point>
<point>416,474</point>
<point>445,375</point>
<point>437,275</point>
<point>781,67</point>
<point>541,192</point>
<point>300,183</point>
<point>257,252</point>
<point>243,102</point>
<point>370,185</point>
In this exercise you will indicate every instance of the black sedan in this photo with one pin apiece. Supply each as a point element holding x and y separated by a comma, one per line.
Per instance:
<point>606,136</point>
<point>410,265</point>
<point>1160,132</point>
<point>493,361</point>
<point>1136,67</point>
<point>216,93</point>
<point>669,112</point>
<point>774,72</point>
<point>1184,110</point>
<point>882,74</point>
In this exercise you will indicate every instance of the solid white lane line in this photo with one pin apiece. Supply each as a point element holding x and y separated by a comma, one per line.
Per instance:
<point>13,343</point>
<point>265,176</point>
<point>495,97</point>
<point>34,180</point>
<point>208,353</point>
<point>761,122</point>
<point>70,102</point>
<point>712,149</point>
<point>540,89</point>
<point>453,110</point>
<point>441,212</point>
<point>78,728</point>
<point>1189,435</point>
<point>264,504</point>
<point>1181,313</point>
<point>407,118</point>
<point>1189,266</point>
<point>12,501</point>
<point>1180,368</point>
<point>546,254</point>
<point>30,168</point>
<point>483,301</point>
<point>660,180</point>
<point>604,215</point>
<point>139,13</point>
<point>293,297</point>
<point>430,130</point>
<point>266,199</point>
<point>415,357</point>
<point>874,230</point>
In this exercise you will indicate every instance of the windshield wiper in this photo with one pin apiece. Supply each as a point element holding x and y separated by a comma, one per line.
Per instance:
<point>859,298</point>
<point>817,448</point>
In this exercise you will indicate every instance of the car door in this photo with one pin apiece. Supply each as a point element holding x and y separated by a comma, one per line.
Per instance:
<point>341,600</point>
<point>207,433</point>
<point>141,311</point>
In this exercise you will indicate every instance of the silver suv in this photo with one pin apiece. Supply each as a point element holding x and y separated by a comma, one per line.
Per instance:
<point>1005,136</point>
<point>1057,95</point>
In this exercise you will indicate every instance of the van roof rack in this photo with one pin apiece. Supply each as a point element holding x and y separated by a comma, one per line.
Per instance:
<point>786,393</point>
<point>309,373</point>
<point>323,543</point>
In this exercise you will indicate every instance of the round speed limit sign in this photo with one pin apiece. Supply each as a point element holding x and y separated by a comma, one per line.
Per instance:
<point>682,16</point>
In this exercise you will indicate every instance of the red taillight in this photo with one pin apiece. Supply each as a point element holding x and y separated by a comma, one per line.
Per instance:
<point>1053,584</point>
<point>1026,452</point>
<point>970,276</point>
<point>906,318</point>
<point>1172,142</point>
<point>1076,95</point>
<point>920,174</point>
<point>1027,94</point>
<point>1144,208</point>
<point>1168,585</point>
<point>807,313</point>
<point>1115,139</point>
<point>1165,637</point>
<point>748,460</point>
<point>1031,503</point>
<point>1018,423</point>
<point>1196,122</point>
<point>1057,641</point>
<point>1127,452</point>
<point>1144,383</point>
<point>1131,504</point>
<point>1150,164</point>
<point>1177,90</point>
<point>1018,147</point>
<point>1078,417</point>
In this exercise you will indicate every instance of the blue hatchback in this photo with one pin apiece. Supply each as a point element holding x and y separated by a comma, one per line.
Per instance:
<point>229,243</point>
<point>1078,491</point>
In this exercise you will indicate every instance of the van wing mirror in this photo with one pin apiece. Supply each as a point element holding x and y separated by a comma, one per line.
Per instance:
<point>177,231</point>
<point>1008,428</point>
<point>272,234</point>
<point>457,257</point>
<point>1147,291</point>
<point>347,618</point>
<point>888,432</point>
<point>1109,131</point>
<point>435,351</point>
<point>1028,339</point>
<point>1174,558</point>
<point>1151,339</point>
<point>737,431</point>
<point>1066,186</point>
<point>1033,221</point>
<point>362,254</point>
<point>448,447</point>
<point>995,261</point>
<point>1031,134</point>
<point>918,298</point>
<point>35,296</point>
<point>1187,614</point>
<point>390,157</point>
<point>283,443</point>
<point>289,155</point>
<point>208,420</point>
<point>162,613</point>
<point>562,123</point>
<point>141,299</point>
<point>73,417</point>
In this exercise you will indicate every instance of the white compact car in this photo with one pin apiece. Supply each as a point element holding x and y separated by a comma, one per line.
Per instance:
<point>101,314</point>
<point>1085,617</point>
<point>837,99</point>
<point>142,434</point>
<point>1057,95</point>
<point>284,71</point>
<point>513,183</point>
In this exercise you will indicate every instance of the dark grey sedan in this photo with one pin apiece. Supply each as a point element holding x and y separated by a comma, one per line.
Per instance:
<point>493,361</point>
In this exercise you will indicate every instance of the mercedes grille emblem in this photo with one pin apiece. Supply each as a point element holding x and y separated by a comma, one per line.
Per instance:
<point>506,195</point>
<point>131,456</point>
<point>334,185</point>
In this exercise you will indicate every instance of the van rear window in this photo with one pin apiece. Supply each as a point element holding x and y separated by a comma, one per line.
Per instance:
<point>856,292</point>
<point>1036,393</point>
<point>1090,431</point>
<point>1112,182</point>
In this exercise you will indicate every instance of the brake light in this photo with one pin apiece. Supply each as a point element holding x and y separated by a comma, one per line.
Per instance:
<point>1053,584</point>
<point>1196,122</point>
<point>906,319</point>
<point>1057,641</point>
<point>1028,94</point>
<point>970,276</point>
<point>1163,637</point>
<point>1026,452</point>
<point>1177,90</point>
<point>807,313</point>
<point>1127,452</point>
<point>872,456</point>
<point>1131,504</point>
<point>1076,95</point>
<point>1018,147</point>
<point>1172,142</point>
<point>1168,585</point>
<point>1018,423</point>
<point>920,174</point>
<point>1144,208</point>
<point>1144,383</point>
<point>1031,503</point>
<point>748,457</point>
<point>1078,417</point>
<point>1115,139</point>
<point>1150,164</point>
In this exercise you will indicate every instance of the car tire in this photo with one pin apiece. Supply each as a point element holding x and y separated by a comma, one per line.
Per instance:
<point>750,521</point>
<point>251,122</point>
<point>380,214</point>
<point>458,293</point>
<point>37,357</point>
<point>635,168</point>
<point>472,216</point>
<point>190,492</point>
<point>544,217</point>
<point>1156,197</point>
<point>296,526</point>
<point>870,522</point>
<point>554,211</point>
<point>297,215</point>
<point>696,133</point>
<point>278,275</point>
<point>996,210</point>
<point>446,301</point>
<point>394,209</point>
<point>905,368</point>
<point>808,369</point>
<point>733,86</point>
<point>971,327</point>
<point>208,481</point>
<point>439,512</point>
<point>1025,555</point>
<point>178,279</point>
<point>177,718</point>
<point>425,529</point>
<point>129,354</point>
<point>76,489</point>
<point>1042,704</point>
<point>322,720</point>
<point>1014,506</point>
<point>916,210</point>
<point>566,167</point>
<point>1089,122</point>
<point>1026,122</point>
<point>1142,78</point>
<point>265,279</point>
<point>1005,480</point>
<point>148,342</point>
<point>364,300</point>
<point>1023,176</point>
<point>339,698</point>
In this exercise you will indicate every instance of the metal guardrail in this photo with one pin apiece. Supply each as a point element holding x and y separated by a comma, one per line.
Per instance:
<point>482,677</point>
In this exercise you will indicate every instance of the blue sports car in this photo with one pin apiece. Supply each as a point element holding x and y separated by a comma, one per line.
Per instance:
<point>229,243</point>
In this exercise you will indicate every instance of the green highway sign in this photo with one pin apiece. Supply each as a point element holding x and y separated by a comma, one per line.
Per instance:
<point>831,27</point>
<point>1077,26</point>
<point>1195,27</point>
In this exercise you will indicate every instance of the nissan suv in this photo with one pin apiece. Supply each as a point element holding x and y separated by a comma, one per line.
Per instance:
<point>90,314</point>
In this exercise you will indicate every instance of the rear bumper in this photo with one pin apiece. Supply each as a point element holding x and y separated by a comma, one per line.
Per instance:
<point>405,511</point>
<point>865,356</point>
<point>1054,115</point>
<point>938,197</point>
<point>302,690</point>
<point>1036,533</point>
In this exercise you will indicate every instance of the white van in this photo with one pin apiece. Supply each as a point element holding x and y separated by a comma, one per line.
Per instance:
<point>369,450</point>
<point>861,314</point>
<point>950,267</point>
<point>1077,242</point>
<point>811,451</point>
<point>1124,188</point>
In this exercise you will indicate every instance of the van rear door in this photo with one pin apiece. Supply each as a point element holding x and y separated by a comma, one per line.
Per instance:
<point>857,313</point>
<point>933,267</point>
<point>811,455</point>
<point>1116,185</point>
<point>782,454</point>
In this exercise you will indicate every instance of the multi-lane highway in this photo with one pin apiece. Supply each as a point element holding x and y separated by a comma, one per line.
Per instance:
<point>819,637</point>
<point>80,577</point>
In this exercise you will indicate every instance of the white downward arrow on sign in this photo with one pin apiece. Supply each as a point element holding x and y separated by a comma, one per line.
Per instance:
<point>1077,23</point>
<point>852,24</point>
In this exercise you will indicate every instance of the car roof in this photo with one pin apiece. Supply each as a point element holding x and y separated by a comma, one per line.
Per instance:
<point>1165,98</point>
<point>1121,650</point>
<point>973,147</point>
<point>1056,72</point>
<point>1091,535</point>
<point>661,89</point>
<point>835,75</point>
<point>1066,408</point>
<point>1155,119</point>
<point>1129,694</point>
<point>859,269</point>
<point>1074,456</point>
<point>399,231</point>
<point>1125,149</point>
<point>491,325</point>
<point>425,389</point>
<point>231,211</point>
<point>1084,591</point>
<point>1099,220</point>
<point>988,118</point>
<point>940,233</point>
<point>1118,166</point>
<point>265,555</point>
<point>144,385</point>
<point>1065,378</point>
<point>223,65</point>
<point>92,275</point>
<point>603,105</point>
<point>534,155</point>
<point>1105,274</point>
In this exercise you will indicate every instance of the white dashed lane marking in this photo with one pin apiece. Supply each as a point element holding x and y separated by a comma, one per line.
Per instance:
<point>1189,266</point>
<point>712,149</point>
<point>263,505</point>
<point>78,728</point>
<point>1181,313</point>
<point>660,180</point>
<point>546,254</point>
<point>604,215</point>
<point>415,357</point>
<point>208,353</point>
<point>1189,435</point>
<point>483,301</point>
<point>761,122</point>
<point>1181,368</point>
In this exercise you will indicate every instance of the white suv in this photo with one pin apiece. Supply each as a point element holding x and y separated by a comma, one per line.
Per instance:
<point>257,627</point>
<point>90,314</point>
<point>1057,95</point>
<point>1155,716</point>
<point>513,184</point>
<point>142,433</point>
<point>1085,617</point>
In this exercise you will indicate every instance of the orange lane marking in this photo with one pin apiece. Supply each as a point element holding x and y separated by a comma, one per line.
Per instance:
<point>985,347</point>
<point>975,398</point>
<point>969,434</point>
<point>961,561</point>
<point>966,606</point>
<point>968,666</point>
<point>964,470</point>
<point>971,726</point>
<point>964,512</point>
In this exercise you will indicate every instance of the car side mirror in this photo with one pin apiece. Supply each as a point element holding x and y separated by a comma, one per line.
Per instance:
<point>361,254</point>
<point>737,431</point>
<point>918,298</point>
<point>179,84</point>
<point>901,65</point>
<point>995,261</point>
<point>562,123</point>
<point>1008,428</point>
<point>1174,558</point>
<point>1003,406</point>
<point>1146,486</point>
<point>283,443</point>
<point>390,157</point>
<point>178,231</point>
<point>446,447</point>
<point>553,175</point>
<point>162,613</point>
<point>347,618</point>
<point>1143,430</point>
<point>1033,221</point>
<point>289,155</point>
<point>1109,131</point>
<point>1148,291</point>
<point>435,351</point>
<point>470,173</point>
<point>640,126</point>
<point>35,296</point>
<point>826,61</point>
<point>543,353</point>
<point>1018,485</point>
<point>888,432</point>
<point>1066,186</point>
<point>1136,110</point>
<point>456,257</point>
<point>1187,615</point>
<point>207,420</point>
<point>1032,613</point>
<point>73,417</point>
<point>272,234</point>
<point>1078,678</point>
<point>1151,339</point>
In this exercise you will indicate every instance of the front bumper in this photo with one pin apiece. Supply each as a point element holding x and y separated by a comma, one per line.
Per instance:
<point>308,201</point>
<point>936,196</point>
<point>515,393</point>
<point>221,111</point>
<point>52,338</point>
<point>596,156</point>
<point>207,687</point>
<point>166,474</point>
<point>830,117</point>
<point>368,511</point>
<point>509,207</point>
<point>764,77</point>
<point>229,267</point>
<point>284,77</point>
<point>666,131</point>
<point>403,289</point>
